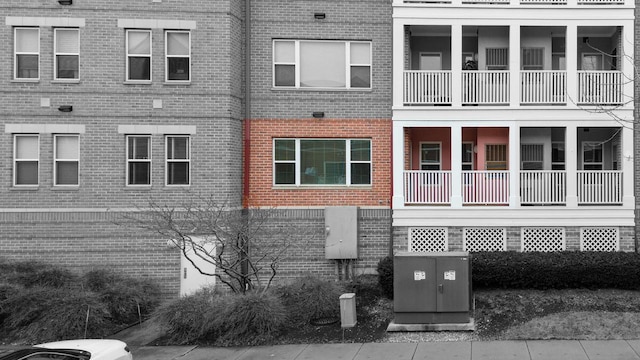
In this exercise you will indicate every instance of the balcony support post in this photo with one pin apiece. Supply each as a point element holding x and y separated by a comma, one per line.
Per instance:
<point>456,166</point>
<point>397,150</point>
<point>514,67</point>
<point>628,199</point>
<point>571,61</point>
<point>398,62</point>
<point>456,65</point>
<point>571,150</point>
<point>514,166</point>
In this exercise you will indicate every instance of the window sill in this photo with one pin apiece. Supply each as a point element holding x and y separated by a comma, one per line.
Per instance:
<point>321,89</point>
<point>321,187</point>
<point>173,83</point>
<point>137,187</point>
<point>171,187</point>
<point>134,82</point>
<point>25,80</point>
<point>70,81</point>
<point>25,188</point>
<point>65,188</point>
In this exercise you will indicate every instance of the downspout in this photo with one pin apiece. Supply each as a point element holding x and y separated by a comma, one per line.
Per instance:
<point>244,264</point>
<point>391,196</point>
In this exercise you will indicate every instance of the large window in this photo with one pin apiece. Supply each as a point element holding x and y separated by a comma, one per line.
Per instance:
<point>430,156</point>
<point>322,162</point>
<point>67,54</point>
<point>138,55</point>
<point>138,160</point>
<point>66,159</point>
<point>496,157</point>
<point>27,53</point>
<point>178,55</point>
<point>592,156</point>
<point>322,64</point>
<point>532,156</point>
<point>178,160</point>
<point>26,159</point>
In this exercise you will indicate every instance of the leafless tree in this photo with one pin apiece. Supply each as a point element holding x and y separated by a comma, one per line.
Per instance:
<point>246,246</point>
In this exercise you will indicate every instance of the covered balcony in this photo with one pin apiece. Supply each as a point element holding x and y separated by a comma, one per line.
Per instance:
<point>554,3</point>
<point>486,176</point>
<point>488,72</point>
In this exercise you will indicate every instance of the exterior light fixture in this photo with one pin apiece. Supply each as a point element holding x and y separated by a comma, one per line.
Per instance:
<point>65,2</point>
<point>318,114</point>
<point>319,16</point>
<point>65,108</point>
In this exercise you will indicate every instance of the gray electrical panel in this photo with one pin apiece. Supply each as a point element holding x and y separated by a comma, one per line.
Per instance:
<point>432,288</point>
<point>341,231</point>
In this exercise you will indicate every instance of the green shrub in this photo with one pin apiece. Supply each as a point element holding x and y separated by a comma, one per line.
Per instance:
<point>40,314</point>
<point>34,274</point>
<point>250,318</point>
<point>189,318</point>
<point>385,276</point>
<point>127,298</point>
<point>556,270</point>
<point>309,298</point>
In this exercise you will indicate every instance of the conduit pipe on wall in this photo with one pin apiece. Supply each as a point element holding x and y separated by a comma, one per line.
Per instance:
<point>247,101</point>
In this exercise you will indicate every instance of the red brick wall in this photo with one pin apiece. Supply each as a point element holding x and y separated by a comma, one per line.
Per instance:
<point>261,191</point>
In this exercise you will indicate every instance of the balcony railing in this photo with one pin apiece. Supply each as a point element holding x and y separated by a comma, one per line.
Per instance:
<point>600,87</point>
<point>599,187</point>
<point>537,87</point>
<point>427,187</point>
<point>539,187</point>
<point>542,187</point>
<point>427,87</point>
<point>485,87</point>
<point>543,87</point>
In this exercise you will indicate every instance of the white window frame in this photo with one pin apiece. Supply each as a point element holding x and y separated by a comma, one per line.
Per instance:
<point>167,56</point>
<point>56,53</point>
<point>56,160</point>
<point>298,159</point>
<point>422,162</point>
<point>168,161</point>
<point>16,160</point>
<point>150,56</point>
<point>16,53</point>
<point>134,160</point>
<point>296,64</point>
<point>593,145</point>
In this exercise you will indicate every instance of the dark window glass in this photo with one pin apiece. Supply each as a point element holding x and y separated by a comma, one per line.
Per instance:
<point>67,67</point>
<point>360,77</point>
<point>139,68</point>
<point>27,173</point>
<point>178,68</point>
<point>285,75</point>
<point>27,66</point>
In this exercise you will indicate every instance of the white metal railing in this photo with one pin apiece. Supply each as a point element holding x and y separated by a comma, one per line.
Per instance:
<point>485,87</point>
<point>599,187</point>
<point>543,187</point>
<point>427,187</point>
<point>600,87</point>
<point>543,87</point>
<point>427,87</point>
<point>485,187</point>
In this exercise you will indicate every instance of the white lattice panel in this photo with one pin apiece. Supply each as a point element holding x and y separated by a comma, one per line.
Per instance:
<point>543,239</point>
<point>428,239</point>
<point>485,239</point>
<point>599,239</point>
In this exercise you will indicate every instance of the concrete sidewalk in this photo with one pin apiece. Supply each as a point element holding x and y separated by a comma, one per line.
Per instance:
<point>474,350</point>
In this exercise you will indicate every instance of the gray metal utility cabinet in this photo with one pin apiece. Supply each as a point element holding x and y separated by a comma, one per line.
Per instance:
<point>432,291</point>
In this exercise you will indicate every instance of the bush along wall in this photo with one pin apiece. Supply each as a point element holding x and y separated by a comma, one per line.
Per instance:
<point>543,270</point>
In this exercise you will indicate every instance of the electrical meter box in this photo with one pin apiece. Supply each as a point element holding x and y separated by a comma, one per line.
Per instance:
<point>341,231</point>
<point>432,288</point>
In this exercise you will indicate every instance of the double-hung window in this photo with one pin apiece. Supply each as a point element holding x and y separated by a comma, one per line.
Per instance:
<point>138,160</point>
<point>27,53</point>
<point>67,54</point>
<point>430,156</point>
<point>138,55</point>
<point>322,64</point>
<point>322,162</point>
<point>178,160</point>
<point>178,55</point>
<point>66,160</point>
<point>592,156</point>
<point>26,159</point>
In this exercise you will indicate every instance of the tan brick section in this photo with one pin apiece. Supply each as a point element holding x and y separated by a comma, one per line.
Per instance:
<point>263,131</point>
